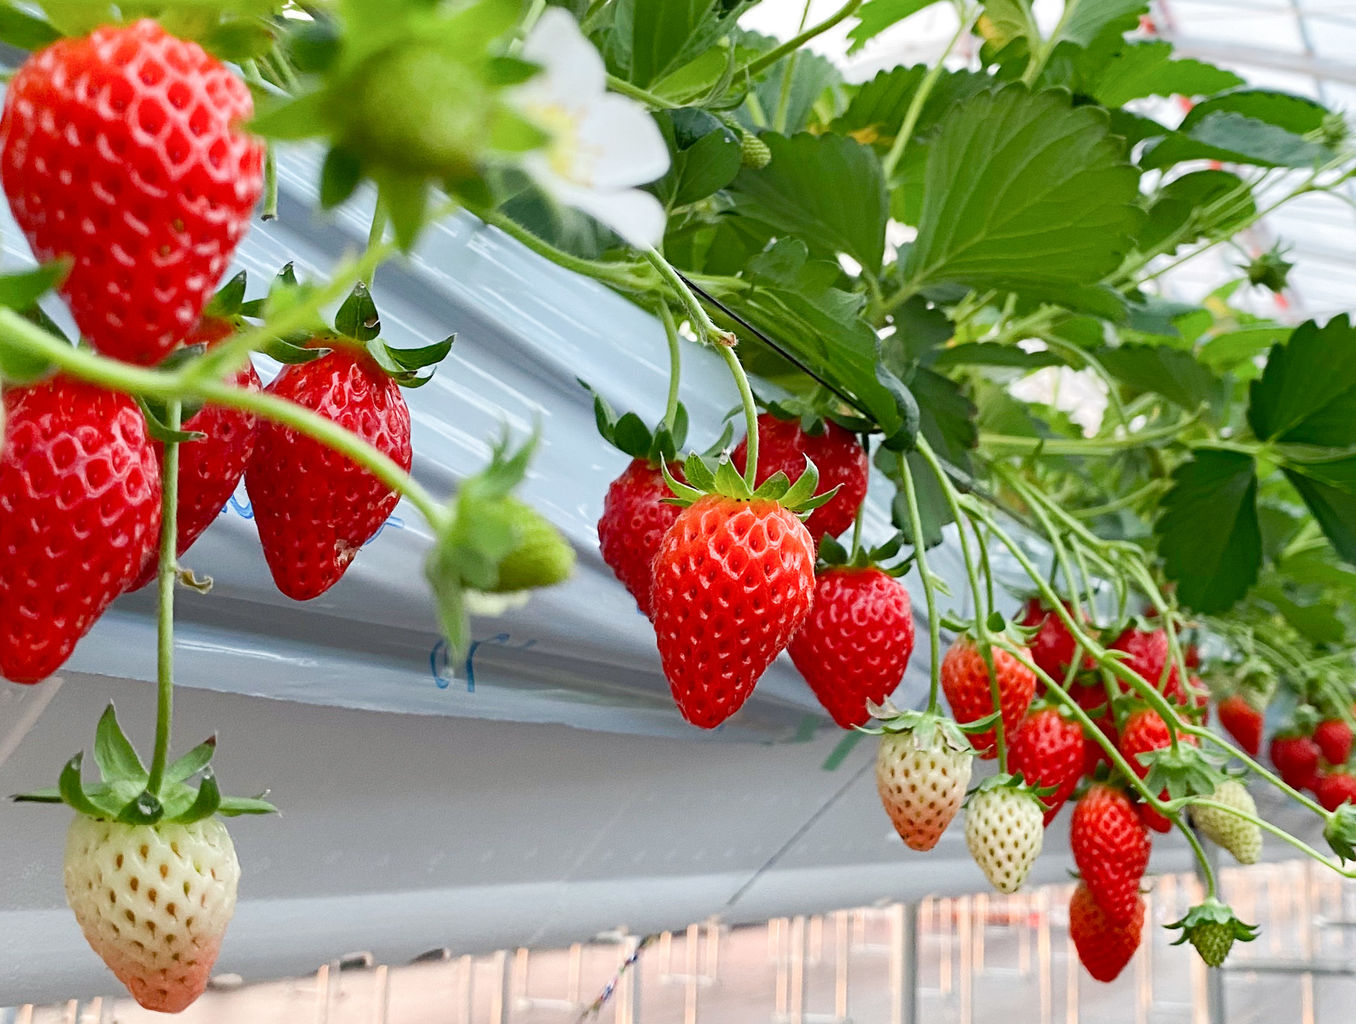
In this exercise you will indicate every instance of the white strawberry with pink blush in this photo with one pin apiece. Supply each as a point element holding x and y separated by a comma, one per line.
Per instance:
<point>154,902</point>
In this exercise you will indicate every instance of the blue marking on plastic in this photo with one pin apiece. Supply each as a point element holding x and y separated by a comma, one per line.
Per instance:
<point>245,511</point>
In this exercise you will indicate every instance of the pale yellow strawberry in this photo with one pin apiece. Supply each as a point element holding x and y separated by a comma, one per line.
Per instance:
<point>1004,828</point>
<point>921,784</point>
<point>1241,838</point>
<point>154,902</point>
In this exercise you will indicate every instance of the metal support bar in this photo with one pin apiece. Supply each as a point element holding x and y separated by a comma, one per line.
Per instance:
<point>904,964</point>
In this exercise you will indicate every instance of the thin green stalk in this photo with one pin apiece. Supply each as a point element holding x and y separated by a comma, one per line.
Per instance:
<point>169,535</point>
<point>920,98</point>
<point>1056,541</point>
<point>929,596</point>
<point>181,384</point>
<point>376,234</point>
<point>750,414</point>
<point>1206,868</point>
<point>270,207</point>
<point>619,275</point>
<point>861,511</point>
<point>675,364</point>
<point>795,43</point>
<point>1149,490</point>
<point>1112,387</point>
<point>707,332</point>
<point>982,636</point>
<point>784,97</point>
<point>1088,446</point>
<point>650,99</point>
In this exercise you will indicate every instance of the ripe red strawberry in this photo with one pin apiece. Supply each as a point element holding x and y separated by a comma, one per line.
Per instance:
<point>1145,731</point>
<point>1053,646</point>
<point>733,580</point>
<point>1093,700</point>
<point>1243,722</point>
<point>210,469</point>
<point>1296,760</point>
<point>1148,654</point>
<point>965,681</point>
<point>79,515</point>
<point>122,151</point>
<point>1334,789</point>
<point>856,642</point>
<point>634,520</point>
<point>1111,848</point>
<point>1333,737</point>
<point>1104,947</point>
<point>154,902</point>
<point>840,459</point>
<point>1047,750</point>
<point>314,507</point>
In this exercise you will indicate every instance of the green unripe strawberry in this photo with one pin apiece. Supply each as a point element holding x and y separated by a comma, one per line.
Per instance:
<point>753,151</point>
<point>542,557</point>
<point>415,109</point>
<point>1213,929</point>
<point>1213,941</point>
<point>1241,838</point>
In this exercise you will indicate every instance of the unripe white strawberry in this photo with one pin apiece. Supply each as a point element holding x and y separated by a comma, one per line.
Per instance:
<point>154,902</point>
<point>921,784</point>
<point>1004,828</point>
<point>1241,838</point>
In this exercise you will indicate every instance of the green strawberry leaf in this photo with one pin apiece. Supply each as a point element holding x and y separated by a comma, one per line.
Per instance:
<point>1307,392</point>
<point>113,753</point>
<point>1208,533</point>
<point>50,795</point>
<point>1052,204</point>
<point>1170,372</point>
<point>800,193</point>
<point>1147,68</point>
<point>875,16</point>
<point>1188,772</point>
<point>154,413</point>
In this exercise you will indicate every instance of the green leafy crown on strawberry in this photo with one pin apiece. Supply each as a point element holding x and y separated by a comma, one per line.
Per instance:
<point>124,793</point>
<point>798,497</point>
<point>1212,927</point>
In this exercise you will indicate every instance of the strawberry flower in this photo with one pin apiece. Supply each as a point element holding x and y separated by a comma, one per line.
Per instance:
<point>601,145</point>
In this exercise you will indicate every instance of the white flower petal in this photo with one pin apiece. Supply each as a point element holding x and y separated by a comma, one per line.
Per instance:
<point>622,144</point>
<point>637,216</point>
<point>572,68</point>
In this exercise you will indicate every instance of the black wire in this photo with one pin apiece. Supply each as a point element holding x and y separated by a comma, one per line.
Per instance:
<point>777,347</point>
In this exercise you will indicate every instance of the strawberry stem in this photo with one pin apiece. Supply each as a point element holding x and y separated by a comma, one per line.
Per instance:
<point>675,364</point>
<point>982,607</point>
<point>750,415</point>
<point>920,557</point>
<point>376,233</point>
<point>1207,871</point>
<point>169,535</point>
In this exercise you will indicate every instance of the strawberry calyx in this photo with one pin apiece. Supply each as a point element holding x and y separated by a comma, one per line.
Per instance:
<point>1340,831</point>
<point>1212,927</point>
<point>929,730</point>
<point>1186,771</point>
<point>492,543</point>
<point>813,411</point>
<point>798,497</point>
<point>1016,783</point>
<point>833,555</point>
<point>630,436</point>
<point>123,793</point>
